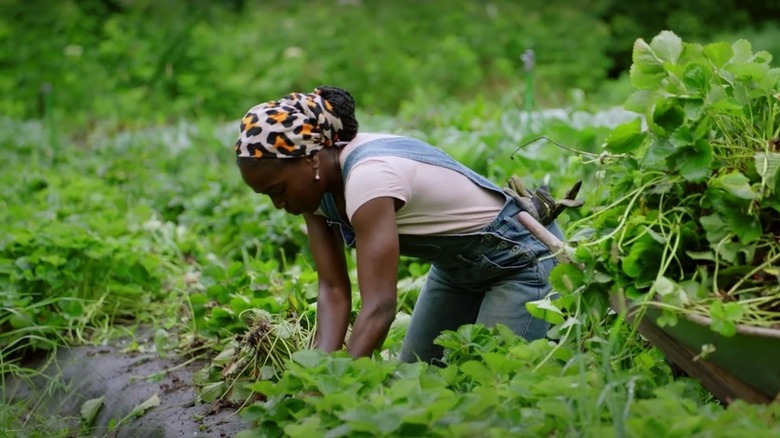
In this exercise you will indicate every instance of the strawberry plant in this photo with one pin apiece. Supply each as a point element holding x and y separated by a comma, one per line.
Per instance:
<point>493,383</point>
<point>691,223</point>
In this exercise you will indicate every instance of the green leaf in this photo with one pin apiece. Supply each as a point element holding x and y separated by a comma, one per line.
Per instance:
<point>90,409</point>
<point>639,101</point>
<point>308,358</point>
<point>658,152</point>
<point>729,251</point>
<point>500,363</point>
<point>694,290</point>
<point>308,427</point>
<point>664,286</point>
<point>667,318</point>
<point>733,311</point>
<point>546,310</point>
<point>212,391</point>
<point>670,292</point>
<point>667,116</point>
<point>701,255</point>
<point>772,202</point>
<point>702,128</point>
<point>582,254</point>
<point>227,354</point>
<point>697,78</point>
<point>267,388</point>
<point>362,418</point>
<point>694,161</point>
<point>267,372</point>
<point>715,228</point>
<point>770,82</point>
<point>763,57</point>
<point>743,51</point>
<point>73,308</point>
<point>694,108</point>
<point>161,341</point>
<point>682,137</point>
<point>54,260</point>
<point>449,374</point>
<point>749,71</point>
<point>736,213</point>
<point>747,227</point>
<point>724,317</point>
<point>334,400</point>
<point>667,46</point>
<point>478,371</point>
<point>20,319</point>
<point>767,165</point>
<point>736,184</point>
<point>729,106</point>
<point>566,278</point>
<point>717,94</point>
<point>626,137</point>
<point>643,260</point>
<point>647,70</point>
<point>719,53</point>
<point>145,406</point>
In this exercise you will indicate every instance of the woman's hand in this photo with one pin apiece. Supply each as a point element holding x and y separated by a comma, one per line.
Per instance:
<point>334,298</point>
<point>377,264</point>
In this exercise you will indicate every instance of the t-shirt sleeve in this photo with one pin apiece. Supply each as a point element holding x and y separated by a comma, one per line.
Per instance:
<point>374,178</point>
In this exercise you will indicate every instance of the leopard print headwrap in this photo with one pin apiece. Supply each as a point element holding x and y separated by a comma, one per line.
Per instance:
<point>297,125</point>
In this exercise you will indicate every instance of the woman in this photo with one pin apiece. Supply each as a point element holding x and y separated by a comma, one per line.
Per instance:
<point>386,196</point>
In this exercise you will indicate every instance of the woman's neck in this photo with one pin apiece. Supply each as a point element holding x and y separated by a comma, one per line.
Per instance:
<point>331,168</point>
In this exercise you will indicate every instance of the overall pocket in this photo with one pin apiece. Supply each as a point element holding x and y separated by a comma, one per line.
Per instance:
<point>496,253</point>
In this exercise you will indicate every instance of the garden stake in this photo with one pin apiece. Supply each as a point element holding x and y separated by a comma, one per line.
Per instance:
<point>544,235</point>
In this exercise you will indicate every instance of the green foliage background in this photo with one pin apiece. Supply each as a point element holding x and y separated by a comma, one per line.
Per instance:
<point>151,61</point>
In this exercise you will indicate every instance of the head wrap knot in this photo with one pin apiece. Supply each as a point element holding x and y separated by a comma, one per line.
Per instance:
<point>297,125</point>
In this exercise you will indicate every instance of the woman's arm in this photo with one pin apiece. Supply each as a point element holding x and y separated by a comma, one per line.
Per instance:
<point>334,297</point>
<point>377,264</point>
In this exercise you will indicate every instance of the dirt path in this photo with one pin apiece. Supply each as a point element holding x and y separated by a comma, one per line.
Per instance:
<point>86,373</point>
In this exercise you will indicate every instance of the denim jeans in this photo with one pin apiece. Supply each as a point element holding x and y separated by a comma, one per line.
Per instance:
<point>481,277</point>
<point>485,277</point>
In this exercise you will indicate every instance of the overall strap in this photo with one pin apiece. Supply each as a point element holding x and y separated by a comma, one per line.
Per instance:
<point>332,216</point>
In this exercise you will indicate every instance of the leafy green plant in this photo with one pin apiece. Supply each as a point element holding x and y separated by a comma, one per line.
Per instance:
<point>64,275</point>
<point>493,383</point>
<point>691,222</point>
<point>259,353</point>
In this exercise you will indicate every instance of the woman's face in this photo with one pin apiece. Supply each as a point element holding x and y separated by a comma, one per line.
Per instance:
<point>289,183</point>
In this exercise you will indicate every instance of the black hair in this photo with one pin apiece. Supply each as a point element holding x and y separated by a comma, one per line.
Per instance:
<point>344,108</point>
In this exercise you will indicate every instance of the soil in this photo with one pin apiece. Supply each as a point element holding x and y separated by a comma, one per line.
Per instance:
<point>125,380</point>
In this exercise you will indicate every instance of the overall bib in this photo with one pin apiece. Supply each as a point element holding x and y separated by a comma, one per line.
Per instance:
<point>484,277</point>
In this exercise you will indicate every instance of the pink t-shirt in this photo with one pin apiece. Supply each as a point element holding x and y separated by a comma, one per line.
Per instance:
<point>437,200</point>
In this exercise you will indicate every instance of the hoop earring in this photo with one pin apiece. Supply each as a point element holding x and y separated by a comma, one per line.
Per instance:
<point>316,174</point>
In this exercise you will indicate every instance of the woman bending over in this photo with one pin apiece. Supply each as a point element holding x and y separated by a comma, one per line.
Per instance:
<point>386,196</point>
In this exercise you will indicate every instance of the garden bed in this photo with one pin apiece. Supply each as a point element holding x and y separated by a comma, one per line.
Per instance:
<point>142,394</point>
<point>743,366</point>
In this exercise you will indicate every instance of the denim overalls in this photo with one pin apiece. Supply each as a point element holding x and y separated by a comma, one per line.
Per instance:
<point>483,277</point>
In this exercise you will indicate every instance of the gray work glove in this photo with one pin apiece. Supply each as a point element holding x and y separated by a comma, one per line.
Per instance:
<point>540,204</point>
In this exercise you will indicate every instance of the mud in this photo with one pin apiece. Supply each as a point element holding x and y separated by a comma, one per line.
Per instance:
<point>125,380</point>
